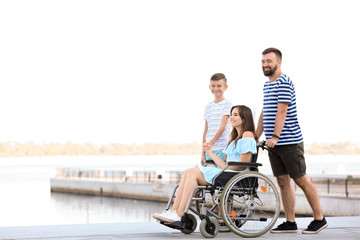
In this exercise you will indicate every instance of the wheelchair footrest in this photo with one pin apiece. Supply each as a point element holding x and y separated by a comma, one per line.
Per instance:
<point>174,225</point>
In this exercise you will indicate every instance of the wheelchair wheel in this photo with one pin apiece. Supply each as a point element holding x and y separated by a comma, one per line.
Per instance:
<point>250,204</point>
<point>190,224</point>
<point>209,229</point>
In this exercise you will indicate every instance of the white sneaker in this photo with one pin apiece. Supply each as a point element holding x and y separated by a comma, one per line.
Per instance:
<point>167,216</point>
<point>159,216</point>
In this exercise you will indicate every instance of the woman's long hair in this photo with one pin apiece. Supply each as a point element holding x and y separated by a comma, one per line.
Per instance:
<point>247,123</point>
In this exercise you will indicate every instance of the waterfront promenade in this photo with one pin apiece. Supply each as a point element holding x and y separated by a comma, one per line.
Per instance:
<point>344,228</point>
<point>338,197</point>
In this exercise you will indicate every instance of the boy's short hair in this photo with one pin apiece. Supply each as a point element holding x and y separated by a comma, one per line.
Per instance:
<point>274,50</point>
<point>218,76</point>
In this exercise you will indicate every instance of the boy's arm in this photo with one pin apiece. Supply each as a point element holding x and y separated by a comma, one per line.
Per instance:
<point>203,141</point>
<point>204,133</point>
<point>224,121</point>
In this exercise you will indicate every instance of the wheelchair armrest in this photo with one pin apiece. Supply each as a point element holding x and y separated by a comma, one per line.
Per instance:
<point>244,164</point>
<point>228,164</point>
<point>210,161</point>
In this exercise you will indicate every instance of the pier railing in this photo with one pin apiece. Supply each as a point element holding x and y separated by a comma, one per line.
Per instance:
<point>337,186</point>
<point>167,177</point>
<point>348,187</point>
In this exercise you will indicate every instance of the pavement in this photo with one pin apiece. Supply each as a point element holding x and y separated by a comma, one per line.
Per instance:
<point>339,228</point>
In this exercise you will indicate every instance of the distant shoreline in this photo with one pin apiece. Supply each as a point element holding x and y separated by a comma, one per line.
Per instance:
<point>13,149</point>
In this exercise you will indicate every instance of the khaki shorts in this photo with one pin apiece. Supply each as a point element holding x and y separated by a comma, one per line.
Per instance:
<point>288,159</point>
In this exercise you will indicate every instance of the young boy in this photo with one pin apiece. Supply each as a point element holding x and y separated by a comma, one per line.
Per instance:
<point>217,124</point>
<point>216,115</point>
<point>216,131</point>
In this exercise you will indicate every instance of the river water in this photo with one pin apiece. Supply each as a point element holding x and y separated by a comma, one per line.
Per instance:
<point>26,199</point>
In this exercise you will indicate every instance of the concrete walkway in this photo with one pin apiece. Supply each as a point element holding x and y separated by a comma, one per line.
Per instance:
<point>339,228</point>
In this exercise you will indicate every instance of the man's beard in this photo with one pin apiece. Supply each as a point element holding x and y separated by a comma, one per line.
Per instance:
<point>270,72</point>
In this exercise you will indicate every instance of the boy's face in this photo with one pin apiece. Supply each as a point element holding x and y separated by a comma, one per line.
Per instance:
<point>218,87</point>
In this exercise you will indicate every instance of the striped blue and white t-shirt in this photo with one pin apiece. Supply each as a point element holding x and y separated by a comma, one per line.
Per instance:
<point>281,90</point>
<point>213,115</point>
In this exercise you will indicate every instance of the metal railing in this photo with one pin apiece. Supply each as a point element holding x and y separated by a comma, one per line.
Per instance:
<point>348,187</point>
<point>334,186</point>
<point>167,177</point>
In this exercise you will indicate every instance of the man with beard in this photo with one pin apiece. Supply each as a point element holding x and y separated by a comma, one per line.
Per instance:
<point>284,139</point>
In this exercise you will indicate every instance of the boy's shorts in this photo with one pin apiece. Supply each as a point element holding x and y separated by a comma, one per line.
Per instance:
<point>288,159</point>
<point>220,154</point>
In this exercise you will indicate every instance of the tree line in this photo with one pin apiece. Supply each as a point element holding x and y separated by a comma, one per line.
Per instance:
<point>13,149</point>
<point>72,149</point>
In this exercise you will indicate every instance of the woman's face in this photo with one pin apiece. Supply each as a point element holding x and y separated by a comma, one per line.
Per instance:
<point>235,119</point>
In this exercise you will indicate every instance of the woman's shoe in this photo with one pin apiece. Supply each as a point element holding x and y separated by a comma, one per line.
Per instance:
<point>167,216</point>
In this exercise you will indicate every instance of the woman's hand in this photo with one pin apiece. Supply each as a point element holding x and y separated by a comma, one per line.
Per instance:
<point>206,147</point>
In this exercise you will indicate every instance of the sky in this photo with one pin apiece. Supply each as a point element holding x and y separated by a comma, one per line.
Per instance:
<point>138,71</point>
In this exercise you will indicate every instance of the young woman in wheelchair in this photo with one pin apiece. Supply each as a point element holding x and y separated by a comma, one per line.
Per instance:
<point>242,145</point>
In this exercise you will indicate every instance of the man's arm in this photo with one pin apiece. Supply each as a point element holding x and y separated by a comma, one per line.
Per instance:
<point>260,125</point>
<point>279,124</point>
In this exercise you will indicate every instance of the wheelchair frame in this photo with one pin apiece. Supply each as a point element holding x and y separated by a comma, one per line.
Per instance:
<point>249,202</point>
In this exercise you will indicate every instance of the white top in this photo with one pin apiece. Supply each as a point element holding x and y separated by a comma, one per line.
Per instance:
<point>213,115</point>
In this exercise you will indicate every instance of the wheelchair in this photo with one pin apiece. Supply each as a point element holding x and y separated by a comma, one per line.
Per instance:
<point>249,203</point>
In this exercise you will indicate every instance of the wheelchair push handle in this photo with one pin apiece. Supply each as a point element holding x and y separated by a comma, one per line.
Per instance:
<point>262,145</point>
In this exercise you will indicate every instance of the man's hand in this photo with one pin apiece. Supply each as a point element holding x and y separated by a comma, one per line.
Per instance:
<point>270,143</point>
